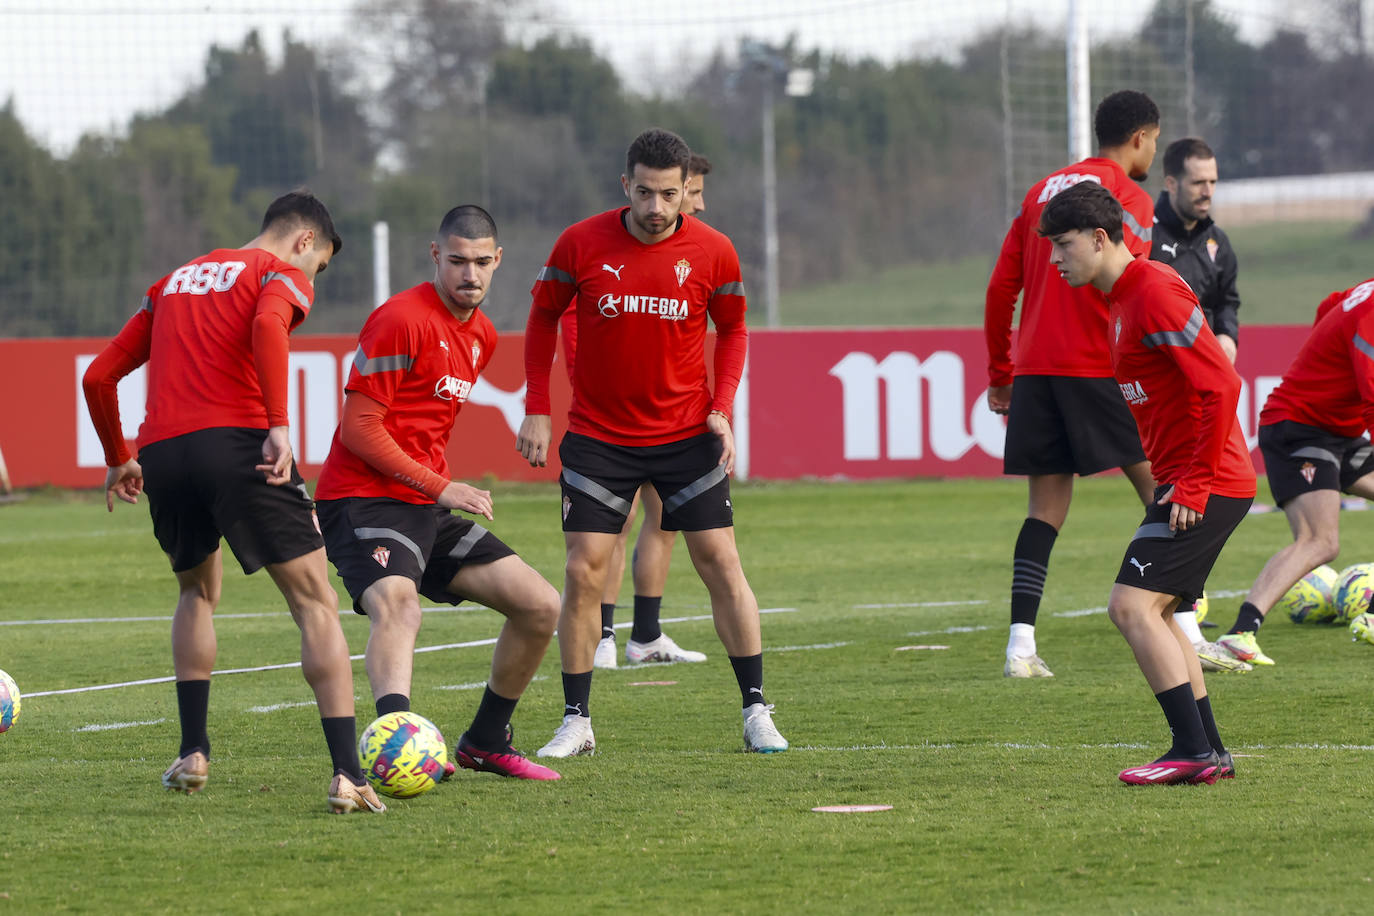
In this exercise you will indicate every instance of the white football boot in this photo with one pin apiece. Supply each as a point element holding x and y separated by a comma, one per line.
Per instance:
<point>574,738</point>
<point>760,734</point>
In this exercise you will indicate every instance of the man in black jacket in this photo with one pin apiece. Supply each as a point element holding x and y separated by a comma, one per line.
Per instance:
<point>1186,239</point>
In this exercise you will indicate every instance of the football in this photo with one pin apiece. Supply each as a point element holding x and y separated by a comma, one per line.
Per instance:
<point>1312,598</point>
<point>9,701</point>
<point>403,754</point>
<point>1354,591</point>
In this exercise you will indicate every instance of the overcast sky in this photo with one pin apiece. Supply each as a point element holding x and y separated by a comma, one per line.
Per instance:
<point>78,65</point>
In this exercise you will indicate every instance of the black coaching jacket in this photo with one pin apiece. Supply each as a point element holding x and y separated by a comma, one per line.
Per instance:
<point>1206,262</point>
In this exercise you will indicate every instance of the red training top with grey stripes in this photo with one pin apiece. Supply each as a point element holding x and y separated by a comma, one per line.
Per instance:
<point>196,332</point>
<point>1330,383</point>
<point>1063,329</point>
<point>417,360</point>
<point>1181,388</point>
<point>639,377</point>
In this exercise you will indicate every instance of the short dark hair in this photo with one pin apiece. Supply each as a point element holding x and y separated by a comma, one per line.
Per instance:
<point>1121,114</point>
<point>658,149</point>
<point>1180,151</point>
<point>468,221</point>
<point>1086,206</point>
<point>302,209</point>
<point>699,165</point>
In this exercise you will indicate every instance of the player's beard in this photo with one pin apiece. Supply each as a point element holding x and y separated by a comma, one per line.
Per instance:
<point>462,303</point>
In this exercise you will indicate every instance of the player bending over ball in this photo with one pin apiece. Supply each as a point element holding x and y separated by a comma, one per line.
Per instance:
<point>385,495</point>
<point>214,454</point>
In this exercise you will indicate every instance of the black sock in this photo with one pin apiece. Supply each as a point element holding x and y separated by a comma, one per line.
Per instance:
<point>193,706</point>
<point>341,734</point>
<point>488,728</point>
<point>646,628</point>
<point>1248,619</point>
<point>1209,725</point>
<point>577,692</point>
<point>607,620</point>
<point>749,673</point>
<point>1030,563</point>
<point>392,702</point>
<point>1190,740</point>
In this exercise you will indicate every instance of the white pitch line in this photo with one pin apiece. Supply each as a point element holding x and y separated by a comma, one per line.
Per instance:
<point>452,645</point>
<point>922,604</point>
<point>822,645</point>
<point>55,621</point>
<point>343,612</point>
<point>275,707</point>
<point>1118,745</point>
<point>949,630</point>
<point>114,725</point>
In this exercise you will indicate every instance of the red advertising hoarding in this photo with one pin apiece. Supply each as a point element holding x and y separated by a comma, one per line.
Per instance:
<point>852,403</point>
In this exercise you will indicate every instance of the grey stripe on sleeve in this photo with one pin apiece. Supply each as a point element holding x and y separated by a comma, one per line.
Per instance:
<point>730,289</point>
<point>377,364</point>
<point>286,281</point>
<point>1184,338</point>
<point>548,272</point>
<point>1141,232</point>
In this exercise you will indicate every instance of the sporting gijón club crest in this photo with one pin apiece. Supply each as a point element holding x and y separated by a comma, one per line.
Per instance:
<point>382,555</point>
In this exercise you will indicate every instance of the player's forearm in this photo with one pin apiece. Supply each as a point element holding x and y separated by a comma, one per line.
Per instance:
<point>271,358</point>
<point>541,342</point>
<point>732,346</point>
<point>363,432</point>
<point>100,385</point>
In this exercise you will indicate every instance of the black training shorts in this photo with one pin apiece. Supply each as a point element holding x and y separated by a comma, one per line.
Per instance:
<point>1178,562</point>
<point>371,537</point>
<point>205,484</point>
<point>599,481</point>
<point>1299,459</point>
<point>1065,425</point>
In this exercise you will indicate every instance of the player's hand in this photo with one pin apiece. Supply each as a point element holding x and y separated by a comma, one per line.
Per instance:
<point>1181,518</point>
<point>1228,346</point>
<point>466,499</point>
<point>533,439</point>
<point>124,481</point>
<point>720,426</point>
<point>999,399</point>
<point>276,456</point>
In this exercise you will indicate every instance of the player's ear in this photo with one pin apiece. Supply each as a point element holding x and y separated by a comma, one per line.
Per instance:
<point>434,252</point>
<point>496,262</point>
<point>305,241</point>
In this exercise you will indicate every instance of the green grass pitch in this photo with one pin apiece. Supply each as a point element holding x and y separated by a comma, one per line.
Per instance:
<point>1004,793</point>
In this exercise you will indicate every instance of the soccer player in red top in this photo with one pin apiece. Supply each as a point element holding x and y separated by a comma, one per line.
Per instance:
<point>643,279</point>
<point>384,493</point>
<point>215,456</point>
<point>1182,391</point>
<point>1065,415</point>
<point>1312,436</point>
<point>653,551</point>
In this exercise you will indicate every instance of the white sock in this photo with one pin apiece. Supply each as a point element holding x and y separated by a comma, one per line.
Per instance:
<point>1022,640</point>
<point>1187,622</point>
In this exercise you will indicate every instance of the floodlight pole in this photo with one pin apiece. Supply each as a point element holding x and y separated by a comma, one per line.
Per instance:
<point>770,207</point>
<point>1079,91</point>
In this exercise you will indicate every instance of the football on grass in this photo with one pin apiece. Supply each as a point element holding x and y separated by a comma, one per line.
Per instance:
<point>403,754</point>
<point>1312,599</point>
<point>1354,591</point>
<point>9,701</point>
